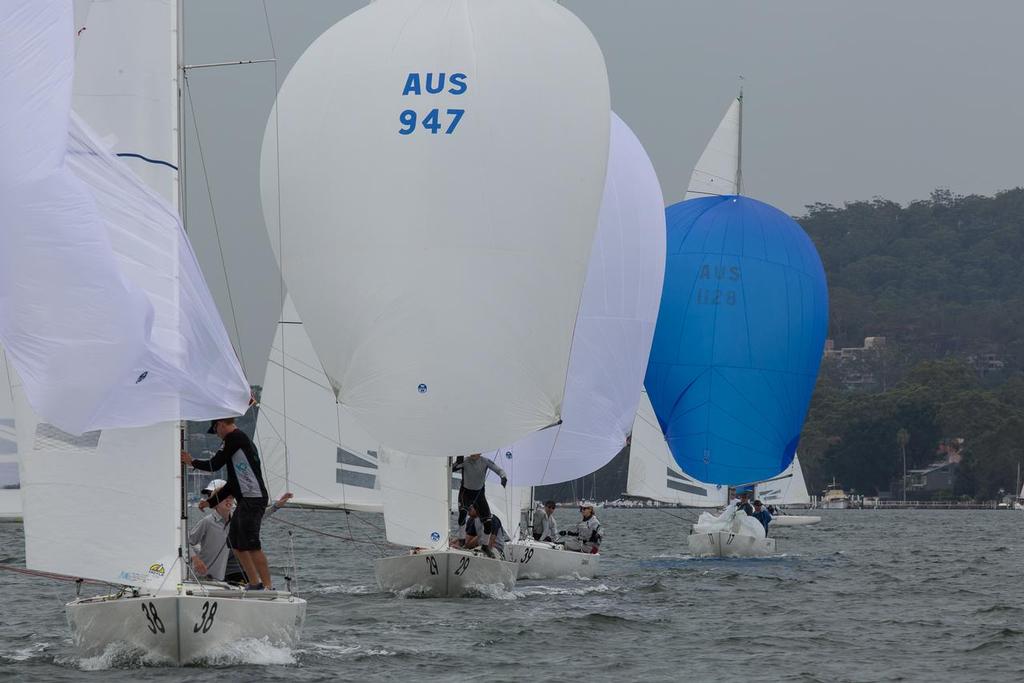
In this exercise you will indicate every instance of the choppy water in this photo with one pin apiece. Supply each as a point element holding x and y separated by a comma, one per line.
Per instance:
<point>863,596</point>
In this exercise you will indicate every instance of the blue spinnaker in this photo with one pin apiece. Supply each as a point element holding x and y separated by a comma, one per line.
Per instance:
<point>739,338</point>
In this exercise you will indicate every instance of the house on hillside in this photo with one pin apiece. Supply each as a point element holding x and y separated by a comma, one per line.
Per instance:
<point>857,365</point>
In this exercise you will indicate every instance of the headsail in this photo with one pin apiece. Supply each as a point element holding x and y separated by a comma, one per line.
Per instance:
<point>433,216</point>
<point>614,327</point>
<point>718,170</point>
<point>654,474</point>
<point>416,494</point>
<point>739,338</point>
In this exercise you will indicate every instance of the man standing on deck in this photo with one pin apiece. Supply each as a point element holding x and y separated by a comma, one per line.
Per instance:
<point>245,483</point>
<point>474,473</point>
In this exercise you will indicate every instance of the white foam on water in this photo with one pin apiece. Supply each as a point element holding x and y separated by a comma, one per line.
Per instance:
<point>119,655</point>
<point>347,590</point>
<point>524,592</point>
<point>347,651</point>
<point>25,653</point>
<point>256,651</point>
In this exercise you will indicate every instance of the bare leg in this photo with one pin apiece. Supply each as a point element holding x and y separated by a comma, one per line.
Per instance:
<point>248,566</point>
<point>260,562</point>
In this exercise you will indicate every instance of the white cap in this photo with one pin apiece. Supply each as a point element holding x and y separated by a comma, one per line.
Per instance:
<point>586,504</point>
<point>213,485</point>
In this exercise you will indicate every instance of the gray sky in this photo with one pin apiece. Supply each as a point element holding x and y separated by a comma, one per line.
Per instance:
<point>845,100</point>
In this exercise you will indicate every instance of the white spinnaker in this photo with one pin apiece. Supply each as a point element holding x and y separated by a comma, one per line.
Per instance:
<point>717,171</point>
<point>789,488</point>
<point>653,472</point>
<point>328,460</point>
<point>416,493</point>
<point>10,495</point>
<point>126,83</point>
<point>614,327</point>
<point>439,273</point>
<point>95,505</point>
<point>104,312</point>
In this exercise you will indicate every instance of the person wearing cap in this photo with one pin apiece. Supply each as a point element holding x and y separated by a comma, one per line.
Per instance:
<point>211,557</point>
<point>743,502</point>
<point>762,515</point>
<point>586,536</point>
<point>245,484</point>
<point>544,526</point>
<point>474,473</point>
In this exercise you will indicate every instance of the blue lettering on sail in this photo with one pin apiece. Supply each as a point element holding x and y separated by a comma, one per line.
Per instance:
<point>435,120</point>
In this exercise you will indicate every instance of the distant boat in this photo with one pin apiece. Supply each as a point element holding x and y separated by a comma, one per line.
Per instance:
<point>789,488</point>
<point>834,497</point>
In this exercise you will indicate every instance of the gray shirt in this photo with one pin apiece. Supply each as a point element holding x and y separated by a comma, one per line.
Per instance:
<point>544,525</point>
<point>209,540</point>
<point>474,472</point>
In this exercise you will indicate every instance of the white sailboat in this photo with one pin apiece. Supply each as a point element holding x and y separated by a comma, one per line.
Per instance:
<point>611,345</point>
<point>127,234</point>
<point>10,483</point>
<point>789,488</point>
<point>438,270</point>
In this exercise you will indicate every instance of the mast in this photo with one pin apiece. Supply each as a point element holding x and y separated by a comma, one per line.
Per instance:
<point>739,148</point>
<point>179,74</point>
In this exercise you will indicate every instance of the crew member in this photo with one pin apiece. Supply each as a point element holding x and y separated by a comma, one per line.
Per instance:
<point>545,528</point>
<point>474,473</point>
<point>586,536</point>
<point>762,515</point>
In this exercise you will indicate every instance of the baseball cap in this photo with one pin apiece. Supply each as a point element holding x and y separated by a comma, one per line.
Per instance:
<point>213,486</point>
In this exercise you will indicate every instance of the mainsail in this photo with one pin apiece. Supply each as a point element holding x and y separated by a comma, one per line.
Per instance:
<point>335,460</point>
<point>432,217</point>
<point>654,474</point>
<point>718,169</point>
<point>789,488</point>
<point>614,327</point>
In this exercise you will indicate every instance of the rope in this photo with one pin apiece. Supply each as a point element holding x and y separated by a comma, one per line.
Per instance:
<point>321,532</point>
<point>55,576</point>
<point>689,521</point>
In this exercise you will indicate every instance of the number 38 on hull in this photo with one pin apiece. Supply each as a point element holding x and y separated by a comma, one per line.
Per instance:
<point>449,573</point>
<point>194,625</point>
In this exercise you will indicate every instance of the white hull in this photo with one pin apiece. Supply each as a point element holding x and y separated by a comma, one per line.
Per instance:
<point>180,629</point>
<point>444,573</point>
<point>794,520</point>
<point>727,544</point>
<point>539,560</point>
<point>833,505</point>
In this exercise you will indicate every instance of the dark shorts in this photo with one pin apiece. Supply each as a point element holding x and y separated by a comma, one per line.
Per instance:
<point>244,532</point>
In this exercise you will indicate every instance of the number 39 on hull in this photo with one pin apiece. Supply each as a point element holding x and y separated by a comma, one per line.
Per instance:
<point>192,626</point>
<point>444,573</point>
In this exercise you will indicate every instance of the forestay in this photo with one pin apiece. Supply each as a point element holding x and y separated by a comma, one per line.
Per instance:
<point>789,488</point>
<point>416,494</point>
<point>718,170</point>
<point>614,327</point>
<point>435,219</point>
<point>654,474</point>
<point>310,445</point>
<point>739,338</point>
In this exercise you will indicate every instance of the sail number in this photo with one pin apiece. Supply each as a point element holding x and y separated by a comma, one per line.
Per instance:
<point>463,566</point>
<point>155,623</point>
<point>432,565</point>
<point>527,556</point>
<point>716,296</point>
<point>435,120</point>
<point>206,618</point>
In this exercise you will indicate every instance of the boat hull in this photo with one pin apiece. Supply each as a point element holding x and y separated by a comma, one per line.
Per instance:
<point>833,505</point>
<point>794,520</point>
<point>180,629</point>
<point>444,573</point>
<point>727,544</point>
<point>538,560</point>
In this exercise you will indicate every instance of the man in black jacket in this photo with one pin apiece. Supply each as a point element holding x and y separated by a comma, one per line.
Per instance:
<point>245,483</point>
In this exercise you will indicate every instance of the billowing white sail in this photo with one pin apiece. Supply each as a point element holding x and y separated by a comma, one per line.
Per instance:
<point>10,481</point>
<point>653,472</point>
<point>614,327</point>
<point>416,493</point>
<point>431,178</point>
<point>789,488</point>
<point>718,169</point>
<point>103,309</point>
<point>309,444</point>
